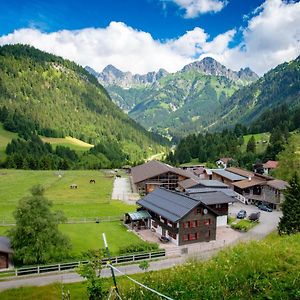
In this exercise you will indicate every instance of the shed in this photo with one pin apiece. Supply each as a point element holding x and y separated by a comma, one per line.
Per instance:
<point>139,219</point>
<point>5,252</point>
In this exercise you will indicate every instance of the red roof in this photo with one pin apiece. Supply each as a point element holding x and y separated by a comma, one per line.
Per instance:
<point>270,164</point>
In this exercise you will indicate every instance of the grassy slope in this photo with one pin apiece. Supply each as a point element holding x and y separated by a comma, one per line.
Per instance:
<point>89,200</point>
<point>259,138</point>
<point>268,269</point>
<point>5,138</point>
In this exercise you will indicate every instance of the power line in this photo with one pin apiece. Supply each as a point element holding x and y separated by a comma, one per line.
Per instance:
<point>140,284</point>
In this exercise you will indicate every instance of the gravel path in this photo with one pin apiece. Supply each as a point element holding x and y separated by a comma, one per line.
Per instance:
<point>122,191</point>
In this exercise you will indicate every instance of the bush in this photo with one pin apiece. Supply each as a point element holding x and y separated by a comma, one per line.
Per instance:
<point>244,225</point>
<point>140,247</point>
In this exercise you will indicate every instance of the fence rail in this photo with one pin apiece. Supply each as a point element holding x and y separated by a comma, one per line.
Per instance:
<point>79,220</point>
<point>72,265</point>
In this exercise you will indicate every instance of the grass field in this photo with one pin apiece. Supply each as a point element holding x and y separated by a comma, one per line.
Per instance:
<point>88,200</point>
<point>5,138</point>
<point>68,141</point>
<point>268,269</point>
<point>262,140</point>
<point>89,236</point>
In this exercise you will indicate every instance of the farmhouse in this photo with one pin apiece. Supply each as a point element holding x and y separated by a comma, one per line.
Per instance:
<point>178,217</point>
<point>216,200</point>
<point>5,252</point>
<point>223,162</point>
<point>260,188</point>
<point>152,174</point>
<point>269,166</point>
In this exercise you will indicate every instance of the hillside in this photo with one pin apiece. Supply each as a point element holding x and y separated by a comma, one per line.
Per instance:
<point>57,98</point>
<point>179,103</point>
<point>258,270</point>
<point>280,86</point>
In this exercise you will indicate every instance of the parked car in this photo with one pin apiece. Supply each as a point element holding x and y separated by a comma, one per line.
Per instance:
<point>164,239</point>
<point>254,216</point>
<point>265,208</point>
<point>241,214</point>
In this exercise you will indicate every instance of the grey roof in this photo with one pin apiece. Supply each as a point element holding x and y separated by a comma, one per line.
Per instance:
<point>170,205</point>
<point>5,245</point>
<point>213,183</point>
<point>228,175</point>
<point>154,168</point>
<point>227,192</point>
<point>212,198</point>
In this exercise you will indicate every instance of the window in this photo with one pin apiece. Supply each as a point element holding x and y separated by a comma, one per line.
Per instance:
<point>218,205</point>
<point>198,223</point>
<point>206,222</point>
<point>193,224</point>
<point>185,237</point>
<point>198,210</point>
<point>186,224</point>
<point>193,236</point>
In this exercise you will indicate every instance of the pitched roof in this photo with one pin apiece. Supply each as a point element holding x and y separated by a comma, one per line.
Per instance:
<point>243,184</point>
<point>228,175</point>
<point>212,198</point>
<point>240,171</point>
<point>270,164</point>
<point>225,159</point>
<point>188,183</point>
<point>227,192</point>
<point>278,184</point>
<point>139,215</point>
<point>170,205</point>
<point>154,168</point>
<point>212,183</point>
<point>5,245</point>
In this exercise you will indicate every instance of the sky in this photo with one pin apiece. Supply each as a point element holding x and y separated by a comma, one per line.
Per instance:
<point>145,35</point>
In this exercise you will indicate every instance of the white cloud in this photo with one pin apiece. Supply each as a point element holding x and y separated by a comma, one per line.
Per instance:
<point>271,37</point>
<point>194,8</point>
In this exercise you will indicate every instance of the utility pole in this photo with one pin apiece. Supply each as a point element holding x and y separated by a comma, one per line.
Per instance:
<point>111,269</point>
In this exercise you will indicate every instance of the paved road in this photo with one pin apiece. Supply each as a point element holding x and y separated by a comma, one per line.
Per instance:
<point>268,220</point>
<point>268,223</point>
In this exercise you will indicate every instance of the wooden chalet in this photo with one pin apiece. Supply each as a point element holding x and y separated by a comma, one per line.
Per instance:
<point>180,218</point>
<point>152,174</point>
<point>5,253</point>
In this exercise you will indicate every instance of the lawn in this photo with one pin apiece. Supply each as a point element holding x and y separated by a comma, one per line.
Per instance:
<point>243,225</point>
<point>262,140</point>
<point>88,200</point>
<point>89,236</point>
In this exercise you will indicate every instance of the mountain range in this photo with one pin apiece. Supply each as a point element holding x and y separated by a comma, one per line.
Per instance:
<point>175,104</point>
<point>58,98</point>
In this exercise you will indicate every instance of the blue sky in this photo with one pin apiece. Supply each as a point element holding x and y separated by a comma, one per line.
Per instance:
<point>163,19</point>
<point>169,33</point>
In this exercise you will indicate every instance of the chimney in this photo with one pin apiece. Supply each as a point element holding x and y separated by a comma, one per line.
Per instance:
<point>249,178</point>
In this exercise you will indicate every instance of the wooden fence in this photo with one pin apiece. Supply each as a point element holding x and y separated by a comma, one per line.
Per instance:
<point>36,270</point>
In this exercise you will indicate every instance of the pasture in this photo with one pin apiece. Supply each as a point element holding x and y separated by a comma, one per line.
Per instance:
<point>88,200</point>
<point>5,138</point>
<point>261,139</point>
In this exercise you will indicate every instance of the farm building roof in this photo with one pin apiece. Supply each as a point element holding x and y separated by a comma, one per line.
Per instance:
<point>228,175</point>
<point>212,198</point>
<point>244,184</point>
<point>227,192</point>
<point>154,168</point>
<point>270,164</point>
<point>239,171</point>
<point>170,205</point>
<point>278,184</point>
<point>5,245</point>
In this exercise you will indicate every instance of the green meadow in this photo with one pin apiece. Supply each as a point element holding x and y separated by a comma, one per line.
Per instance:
<point>261,139</point>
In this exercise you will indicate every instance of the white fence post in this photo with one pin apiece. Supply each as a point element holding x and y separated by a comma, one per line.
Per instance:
<point>38,269</point>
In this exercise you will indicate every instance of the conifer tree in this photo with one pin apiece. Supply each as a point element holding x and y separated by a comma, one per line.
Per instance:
<point>251,146</point>
<point>290,221</point>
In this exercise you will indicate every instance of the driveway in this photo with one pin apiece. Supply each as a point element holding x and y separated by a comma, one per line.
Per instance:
<point>268,221</point>
<point>122,191</point>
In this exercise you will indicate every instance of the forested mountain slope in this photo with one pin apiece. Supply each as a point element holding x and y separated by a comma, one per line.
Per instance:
<point>259,101</point>
<point>55,97</point>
